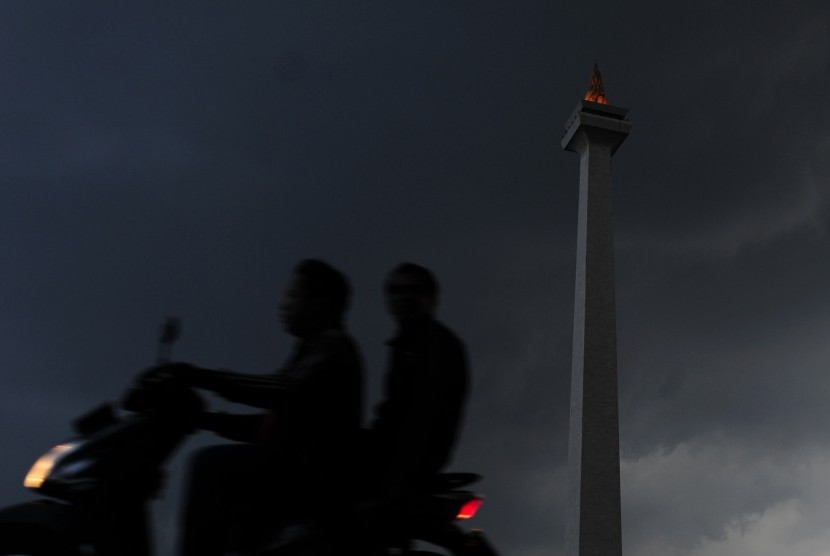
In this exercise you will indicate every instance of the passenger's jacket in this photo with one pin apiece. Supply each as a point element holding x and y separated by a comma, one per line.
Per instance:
<point>418,422</point>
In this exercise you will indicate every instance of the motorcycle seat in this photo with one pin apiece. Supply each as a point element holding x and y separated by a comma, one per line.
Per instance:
<point>452,481</point>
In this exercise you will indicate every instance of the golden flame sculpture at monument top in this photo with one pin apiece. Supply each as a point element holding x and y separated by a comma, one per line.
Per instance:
<point>596,92</point>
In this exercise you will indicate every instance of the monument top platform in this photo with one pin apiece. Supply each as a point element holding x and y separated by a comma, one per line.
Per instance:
<point>598,116</point>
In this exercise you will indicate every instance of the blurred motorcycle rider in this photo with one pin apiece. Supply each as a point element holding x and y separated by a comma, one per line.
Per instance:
<point>299,446</point>
<point>417,423</point>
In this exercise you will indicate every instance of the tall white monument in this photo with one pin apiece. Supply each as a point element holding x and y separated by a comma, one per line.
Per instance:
<point>595,130</point>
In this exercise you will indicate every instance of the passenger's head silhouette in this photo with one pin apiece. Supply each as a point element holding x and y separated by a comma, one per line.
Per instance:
<point>317,298</point>
<point>411,293</point>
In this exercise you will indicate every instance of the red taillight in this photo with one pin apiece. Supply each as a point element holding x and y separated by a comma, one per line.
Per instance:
<point>469,508</point>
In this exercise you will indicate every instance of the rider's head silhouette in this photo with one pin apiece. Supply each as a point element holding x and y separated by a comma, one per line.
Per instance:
<point>411,293</point>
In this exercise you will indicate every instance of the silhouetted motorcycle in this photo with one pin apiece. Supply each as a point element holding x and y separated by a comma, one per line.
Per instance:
<point>99,486</point>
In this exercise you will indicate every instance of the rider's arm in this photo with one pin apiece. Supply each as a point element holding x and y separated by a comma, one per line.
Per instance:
<point>254,390</point>
<point>328,354</point>
<point>267,391</point>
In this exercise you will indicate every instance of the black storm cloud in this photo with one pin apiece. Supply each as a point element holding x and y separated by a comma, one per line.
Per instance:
<point>179,158</point>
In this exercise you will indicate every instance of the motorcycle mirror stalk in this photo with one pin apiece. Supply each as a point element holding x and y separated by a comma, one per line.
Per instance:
<point>170,332</point>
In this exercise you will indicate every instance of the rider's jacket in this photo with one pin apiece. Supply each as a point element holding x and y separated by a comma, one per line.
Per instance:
<point>313,404</point>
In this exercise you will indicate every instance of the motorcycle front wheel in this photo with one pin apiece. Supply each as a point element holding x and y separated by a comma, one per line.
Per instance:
<point>17,544</point>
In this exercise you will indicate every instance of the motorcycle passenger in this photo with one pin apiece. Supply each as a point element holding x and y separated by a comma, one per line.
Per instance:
<point>296,450</point>
<point>417,423</point>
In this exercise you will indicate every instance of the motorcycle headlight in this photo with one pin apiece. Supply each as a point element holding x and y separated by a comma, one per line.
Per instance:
<point>43,466</point>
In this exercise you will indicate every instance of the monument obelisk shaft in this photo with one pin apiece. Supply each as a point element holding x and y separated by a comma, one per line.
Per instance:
<point>595,130</point>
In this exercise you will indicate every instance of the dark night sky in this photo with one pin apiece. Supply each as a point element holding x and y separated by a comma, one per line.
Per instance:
<point>179,158</point>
